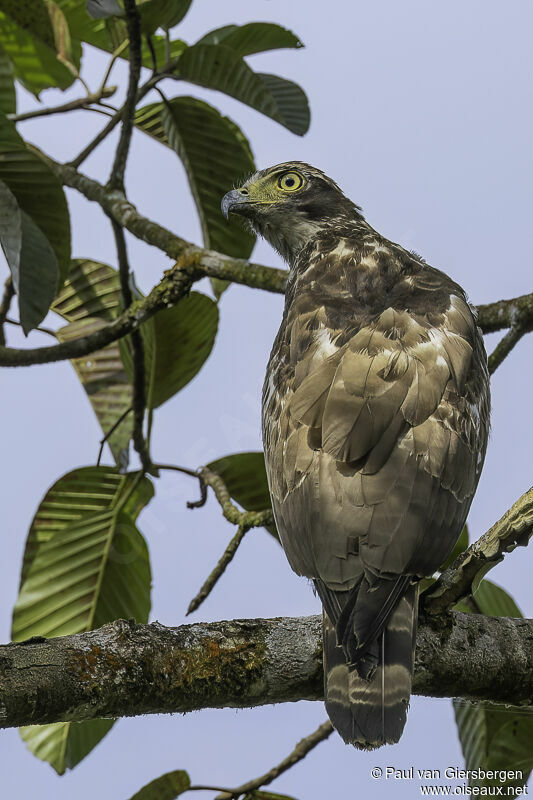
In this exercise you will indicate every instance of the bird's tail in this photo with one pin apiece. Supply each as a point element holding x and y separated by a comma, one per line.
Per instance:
<point>367,702</point>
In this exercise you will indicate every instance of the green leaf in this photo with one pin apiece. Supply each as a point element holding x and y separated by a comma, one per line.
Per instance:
<point>10,228</point>
<point>107,384</point>
<point>31,260</point>
<point>37,277</point>
<point>90,299</point>
<point>254,37</point>
<point>220,67</point>
<point>494,601</point>
<point>167,787</point>
<point>108,34</point>
<point>162,13</point>
<point>176,347</point>
<point>100,9</point>
<point>36,38</point>
<point>493,737</point>
<point>92,290</point>
<point>65,744</point>
<point>459,547</point>
<point>245,477</point>
<point>85,564</point>
<point>8,100</point>
<point>37,190</point>
<point>215,154</point>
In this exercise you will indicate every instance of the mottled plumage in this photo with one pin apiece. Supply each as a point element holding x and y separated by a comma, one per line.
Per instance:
<point>375,424</point>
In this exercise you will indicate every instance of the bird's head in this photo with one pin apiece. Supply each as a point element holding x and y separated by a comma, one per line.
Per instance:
<point>289,205</point>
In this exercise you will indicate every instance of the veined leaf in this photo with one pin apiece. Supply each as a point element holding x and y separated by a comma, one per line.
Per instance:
<point>64,744</point>
<point>90,299</point>
<point>245,477</point>
<point>100,9</point>
<point>10,228</point>
<point>167,787</point>
<point>177,344</point>
<point>493,737</point>
<point>37,278</point>
<point>92,290</point>
<point>108,34</point>
<point>162,13</point>
<point>31,260</point>
<point>8,100</point>
<point>216,66</point>
<point>215,154</point>
<point>254,37</point>
<point>37,190</point>
<point>35,36</point>
<point>107,384</point>
<point>85,564</point>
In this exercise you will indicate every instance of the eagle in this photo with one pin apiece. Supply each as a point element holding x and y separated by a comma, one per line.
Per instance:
<point>375,423</point>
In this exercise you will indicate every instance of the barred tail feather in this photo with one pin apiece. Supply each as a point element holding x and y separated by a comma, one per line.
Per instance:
<point>371,711</point>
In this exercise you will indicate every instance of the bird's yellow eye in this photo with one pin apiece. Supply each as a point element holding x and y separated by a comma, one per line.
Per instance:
<point>291,181</point>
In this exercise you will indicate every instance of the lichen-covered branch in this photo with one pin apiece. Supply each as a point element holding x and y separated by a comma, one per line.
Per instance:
<point>249,519</point>
<point>192,264</point>
<point>506,314</point>
<point>513,529</point>
<point>175,285</point>
<point>124,669</point>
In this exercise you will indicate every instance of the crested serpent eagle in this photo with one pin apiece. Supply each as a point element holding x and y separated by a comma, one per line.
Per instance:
<point>375,425</point>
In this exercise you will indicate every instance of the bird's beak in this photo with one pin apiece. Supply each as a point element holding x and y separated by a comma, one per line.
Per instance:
<point>231,200</point>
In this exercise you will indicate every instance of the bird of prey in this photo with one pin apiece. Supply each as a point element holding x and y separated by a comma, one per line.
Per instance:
<point>375,424</point>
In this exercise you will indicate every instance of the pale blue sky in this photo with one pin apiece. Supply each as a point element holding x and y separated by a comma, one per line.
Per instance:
<point>422,113</point>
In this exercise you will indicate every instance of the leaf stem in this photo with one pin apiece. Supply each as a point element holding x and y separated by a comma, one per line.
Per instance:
<point>9,293</point>
<point>133,22</point>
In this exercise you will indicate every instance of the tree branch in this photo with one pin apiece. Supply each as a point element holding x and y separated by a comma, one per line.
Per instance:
<point>514,529</point>
<point>124,669</point>
<point>219,569</point>
<point>172,288</point>
<point>192,264</point>
<point>82,102</point>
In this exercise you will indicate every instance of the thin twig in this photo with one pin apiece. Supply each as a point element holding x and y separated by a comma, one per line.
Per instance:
<point>80,103</point>
<point>513,529</point>
<point>504,346</point>
<point>303,747</point>
<point>7,297</point>
<point>133,23</point>
<point>110,432</point>
<point>137,348</point>
<point>116,53</point>
<point>49,331</point>
<point>211,580</point>
<point>193,474</point>
<point>252,519</point>
<point>146,87</point>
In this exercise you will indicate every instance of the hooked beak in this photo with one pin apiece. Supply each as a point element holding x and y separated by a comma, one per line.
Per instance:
<point>231,201</point>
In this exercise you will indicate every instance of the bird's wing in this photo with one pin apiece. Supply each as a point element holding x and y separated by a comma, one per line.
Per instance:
<point>378,446</point>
